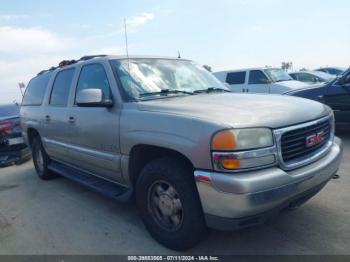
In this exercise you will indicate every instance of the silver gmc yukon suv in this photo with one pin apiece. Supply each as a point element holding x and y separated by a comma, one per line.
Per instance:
<point>166,133</point>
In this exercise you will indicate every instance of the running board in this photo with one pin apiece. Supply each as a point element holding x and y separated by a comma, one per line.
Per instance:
<point>105,187</point>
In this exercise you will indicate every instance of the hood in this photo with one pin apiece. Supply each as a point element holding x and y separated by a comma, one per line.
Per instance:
<point>292,84</point>
<point>308,87</point>
<point>240,110</point>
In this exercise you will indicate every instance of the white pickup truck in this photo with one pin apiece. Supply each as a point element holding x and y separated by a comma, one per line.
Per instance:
<point>259,80</point>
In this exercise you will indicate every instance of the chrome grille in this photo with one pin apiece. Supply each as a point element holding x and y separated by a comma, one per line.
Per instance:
<point>293,143</point>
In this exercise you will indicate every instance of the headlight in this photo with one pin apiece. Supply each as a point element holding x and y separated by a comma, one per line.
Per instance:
<point>243,148</point>
<point>242,139</point>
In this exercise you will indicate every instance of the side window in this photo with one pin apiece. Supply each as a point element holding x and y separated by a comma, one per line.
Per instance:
<point>257,77</point>
<point>332,71</point>
<point>94,77</point>
<point>294,76</point>
<point>235,78</point>
<point>61,87</point>
<point>36,90</point>
<point>306,78</point>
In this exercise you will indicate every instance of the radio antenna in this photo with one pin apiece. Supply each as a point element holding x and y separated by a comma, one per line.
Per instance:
<point>126,44</point>
<point>178,54</point>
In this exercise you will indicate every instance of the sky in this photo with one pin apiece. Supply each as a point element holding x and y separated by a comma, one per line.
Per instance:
<point>225,34</point>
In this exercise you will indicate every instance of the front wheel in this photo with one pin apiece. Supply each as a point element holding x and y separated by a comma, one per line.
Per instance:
<point>168,201</point>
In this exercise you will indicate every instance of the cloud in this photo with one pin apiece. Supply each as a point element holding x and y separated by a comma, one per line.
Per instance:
<point>22,70</point>
<point>28,40</point>
<point>10,17</point>
<point>26,51</point>
<point>134,23</point>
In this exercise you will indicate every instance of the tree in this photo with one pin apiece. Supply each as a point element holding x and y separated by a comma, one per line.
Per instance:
<point>287,66</point>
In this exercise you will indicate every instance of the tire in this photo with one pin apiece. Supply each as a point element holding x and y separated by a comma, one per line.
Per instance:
<point>162,185</point>
<point>41,160</point>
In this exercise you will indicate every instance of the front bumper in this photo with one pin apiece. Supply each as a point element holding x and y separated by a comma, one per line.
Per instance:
<point>232,201</point>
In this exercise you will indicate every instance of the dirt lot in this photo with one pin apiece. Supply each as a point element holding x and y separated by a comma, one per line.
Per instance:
<point>62,217</point>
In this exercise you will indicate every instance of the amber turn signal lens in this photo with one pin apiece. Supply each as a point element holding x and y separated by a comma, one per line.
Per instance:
<point>230,163</point>
<point>224,140</point>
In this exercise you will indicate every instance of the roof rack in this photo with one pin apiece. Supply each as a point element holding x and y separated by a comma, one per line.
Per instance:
<point>70,62</point>
<point>87,57</point>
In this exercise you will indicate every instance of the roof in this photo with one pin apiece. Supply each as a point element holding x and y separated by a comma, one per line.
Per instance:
<point>106,57</point>
<point>246,69</point>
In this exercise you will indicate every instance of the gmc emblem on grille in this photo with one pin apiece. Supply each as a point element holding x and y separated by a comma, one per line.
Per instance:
<point>315,139</point>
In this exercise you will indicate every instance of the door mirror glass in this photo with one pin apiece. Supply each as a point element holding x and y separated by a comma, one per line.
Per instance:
<point>344,80</point>
<point>265,81</point>
<point>92,98</point>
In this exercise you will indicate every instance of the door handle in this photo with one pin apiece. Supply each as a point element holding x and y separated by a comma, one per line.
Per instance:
<point>47,118</point>
<point>71,119</point>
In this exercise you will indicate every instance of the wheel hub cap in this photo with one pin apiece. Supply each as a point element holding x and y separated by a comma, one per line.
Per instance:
<point>165,205</point>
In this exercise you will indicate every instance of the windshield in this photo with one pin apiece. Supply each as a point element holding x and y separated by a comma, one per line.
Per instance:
<point>324,76</point>
<point>277,75</point>
<point>146,78</point>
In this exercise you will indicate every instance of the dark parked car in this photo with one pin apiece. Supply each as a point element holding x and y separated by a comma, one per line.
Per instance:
<point>335,93</point>
<point>332,70</point>
<point>12,147</point>
<point>312,77</point>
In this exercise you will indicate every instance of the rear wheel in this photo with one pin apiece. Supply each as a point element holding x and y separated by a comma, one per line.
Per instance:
<point>168,200</point>
<point>41,160</point>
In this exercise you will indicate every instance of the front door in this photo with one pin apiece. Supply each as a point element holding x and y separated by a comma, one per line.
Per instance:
<point>237,81</point>
<point>338,98</point>
<point>94,131</point>
<point>257,82</point>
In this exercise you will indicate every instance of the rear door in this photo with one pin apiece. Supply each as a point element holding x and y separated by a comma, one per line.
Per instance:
<point>338,98</point>
<point>55,123</point>
<point>237,81</point>
<point>258,82</point>
<point>94,131</point>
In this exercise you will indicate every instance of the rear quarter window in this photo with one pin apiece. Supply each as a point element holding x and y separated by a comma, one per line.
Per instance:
<point>36,89</point>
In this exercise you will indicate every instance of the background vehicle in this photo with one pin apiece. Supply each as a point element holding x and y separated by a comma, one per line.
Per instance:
<point>312,77</point>
<point>169,133</point>
<point>332,70</point>
<point>259,80</point>
<point>335,94</point>
<point>12,147</point>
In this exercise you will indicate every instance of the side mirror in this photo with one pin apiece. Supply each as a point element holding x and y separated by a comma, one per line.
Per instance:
<point>340,80</point>
<point>266,81</point>
<point>92,98</point>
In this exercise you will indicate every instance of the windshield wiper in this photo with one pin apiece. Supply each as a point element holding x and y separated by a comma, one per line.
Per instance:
<point>165,92</point>
<point>211,90</point>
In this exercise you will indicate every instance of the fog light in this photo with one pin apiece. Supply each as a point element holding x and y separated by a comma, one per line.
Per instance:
<point>235,161</point>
